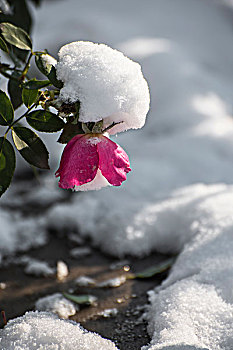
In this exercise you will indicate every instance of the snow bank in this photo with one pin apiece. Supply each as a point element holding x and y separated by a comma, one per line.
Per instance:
<point>108,85</point>
<point>45,331</point>
<point>194,305</point>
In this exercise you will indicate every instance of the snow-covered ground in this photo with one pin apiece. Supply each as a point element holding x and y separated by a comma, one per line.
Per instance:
<point>179,197</point>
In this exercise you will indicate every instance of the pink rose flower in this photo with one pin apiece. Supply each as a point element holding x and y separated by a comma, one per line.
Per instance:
<point>91,161</point>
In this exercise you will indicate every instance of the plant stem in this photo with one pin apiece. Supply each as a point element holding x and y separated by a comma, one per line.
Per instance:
<point>26,68</point>
<point>22,116</point>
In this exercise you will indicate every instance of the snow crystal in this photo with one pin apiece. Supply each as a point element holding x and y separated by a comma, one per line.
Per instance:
<point>57,304</point>
<point>45,331</point>
<point>108,85</point>
<point>94,140</point>
<point>62,270</point>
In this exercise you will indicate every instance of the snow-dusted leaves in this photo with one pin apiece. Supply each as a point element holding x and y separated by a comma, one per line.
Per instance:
<point>45,63</point>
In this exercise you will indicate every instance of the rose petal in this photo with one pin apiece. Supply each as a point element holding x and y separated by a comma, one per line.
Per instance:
<point>79,162</point>
<point>113,161</point>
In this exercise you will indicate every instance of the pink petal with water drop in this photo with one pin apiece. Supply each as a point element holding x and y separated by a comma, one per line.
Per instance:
<point>113,161</point>
<point>79,162</point>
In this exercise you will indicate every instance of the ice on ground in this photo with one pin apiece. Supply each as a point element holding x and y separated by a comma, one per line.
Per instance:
<point>45,331</point>
<point>108,85</point>
<point>57,304</point>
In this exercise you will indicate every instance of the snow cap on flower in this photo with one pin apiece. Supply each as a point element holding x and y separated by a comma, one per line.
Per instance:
<point>108,85</point>
<point>92,161</point>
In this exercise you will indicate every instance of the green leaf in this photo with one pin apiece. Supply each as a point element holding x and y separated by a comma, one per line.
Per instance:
<point>53,78</point>
<point>31,147</point>
<point>45,121</point>
<point>3,45</point>
<point>70,130</point>
<point>16,36</point>
<point>81,299</point>
<point>7,164</point>
<point>154,270</point>
<point>6,110</point>
<point>29,97</point>
<point>36,84</point>
<point>15,90</point>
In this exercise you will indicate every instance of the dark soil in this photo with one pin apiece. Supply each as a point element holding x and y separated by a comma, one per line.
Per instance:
<point>126,328</point>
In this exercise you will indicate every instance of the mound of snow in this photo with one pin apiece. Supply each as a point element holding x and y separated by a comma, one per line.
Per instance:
<point>57,304</point>
<point>45,331</point>
<point>108,85</point>
<point>194,305</point>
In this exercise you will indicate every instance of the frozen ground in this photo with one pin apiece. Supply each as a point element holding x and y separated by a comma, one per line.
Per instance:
<point>179,197</point>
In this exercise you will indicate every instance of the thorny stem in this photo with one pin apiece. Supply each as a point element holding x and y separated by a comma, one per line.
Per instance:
<point>111,126</point>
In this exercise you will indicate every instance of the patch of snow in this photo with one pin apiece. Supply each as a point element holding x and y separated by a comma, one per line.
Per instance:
<point>113,282</point>
<point>79,252</point>
<point>38,268</point>
<point>48,59</point>
<point>45,331</point>
<point>18,233</point>
<point>84,281</point>
<point>108,313</point>
<point>57,304</point>
<point>108,85</point>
